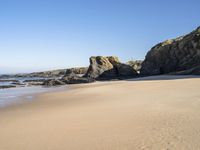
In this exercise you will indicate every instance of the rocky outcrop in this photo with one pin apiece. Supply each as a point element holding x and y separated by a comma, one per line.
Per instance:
<point>78,70</point>
<point>76,80</point>
<point>53,82</point>
<point>100,66</point>
<point>44,74</point>
<point>180,54</point>
<point>136,64</point>
<point>48,74</point>
<point>34,82</point>
<point>72,78</point>
<point>109,68</point>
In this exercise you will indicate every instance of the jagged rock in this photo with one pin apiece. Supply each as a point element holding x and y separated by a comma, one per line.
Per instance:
<point>78,70</point>
<point>174,55</point>
<point>124,70</point>
<point>70,73</point>
<point>77,80</point>
<point>53,82</point>
<point>113,60</point>
<point>137,65</point>
<point>121,69</point>
<point>34,82</point>
<point>98,66</point>
<point>109,68</point>
<point>72,78</point>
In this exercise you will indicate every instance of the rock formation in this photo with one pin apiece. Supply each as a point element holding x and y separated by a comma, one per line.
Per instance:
<point>109,68</point>
<point>78,70</point>
<point>53,82</point>
<point>72,78</point>
<point>48,74</point>
<point>176,55</point>
<point>137,65</point>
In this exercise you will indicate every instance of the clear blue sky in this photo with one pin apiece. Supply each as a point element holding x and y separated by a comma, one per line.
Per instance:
<point>48,34</point>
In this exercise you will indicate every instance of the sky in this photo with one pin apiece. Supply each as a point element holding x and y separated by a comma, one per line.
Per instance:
<point>38,35</point>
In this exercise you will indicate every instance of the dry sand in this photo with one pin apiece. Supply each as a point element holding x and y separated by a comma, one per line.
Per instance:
<point>151,113</point>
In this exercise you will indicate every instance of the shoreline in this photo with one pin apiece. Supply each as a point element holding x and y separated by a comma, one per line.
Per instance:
<point>27,94</point>
<point>159,112</point>
<point>22,100</point>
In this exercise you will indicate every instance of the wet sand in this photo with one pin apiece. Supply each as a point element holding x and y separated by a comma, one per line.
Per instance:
<point>156,113</point>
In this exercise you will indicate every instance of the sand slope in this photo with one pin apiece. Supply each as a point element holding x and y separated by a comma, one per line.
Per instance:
<point>149,113</point>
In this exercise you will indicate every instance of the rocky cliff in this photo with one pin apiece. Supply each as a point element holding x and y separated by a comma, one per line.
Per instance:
<point>177,55</point>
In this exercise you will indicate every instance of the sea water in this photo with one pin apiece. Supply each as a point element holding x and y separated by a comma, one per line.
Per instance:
<point>20,79</point>
<point>15,95</point>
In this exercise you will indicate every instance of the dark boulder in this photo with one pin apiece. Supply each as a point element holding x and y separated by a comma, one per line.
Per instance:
<point>174,55</point>
<point>77,80</point>
<point>72,78</point>
<point>137,65</point>
<point>124,70</point>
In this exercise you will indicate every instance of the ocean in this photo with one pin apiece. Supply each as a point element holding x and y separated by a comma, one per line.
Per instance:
<point>10,96</point>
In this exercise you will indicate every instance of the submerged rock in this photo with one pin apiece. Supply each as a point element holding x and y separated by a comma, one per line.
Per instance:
<point>109,68</point>
<point>174,55</point>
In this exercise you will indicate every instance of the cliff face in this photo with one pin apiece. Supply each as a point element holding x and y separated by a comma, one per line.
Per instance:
<point>180,54</point>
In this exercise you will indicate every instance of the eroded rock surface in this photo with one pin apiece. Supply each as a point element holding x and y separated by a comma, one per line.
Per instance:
<point>73,78</point>
<point>174,55</point>
<point>136,64</point>
<point>109,68</point>
<point>53,82</point>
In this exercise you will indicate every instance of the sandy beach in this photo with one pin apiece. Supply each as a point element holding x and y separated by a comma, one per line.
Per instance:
<point>151,113</point>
